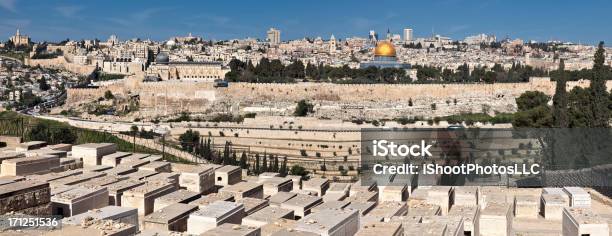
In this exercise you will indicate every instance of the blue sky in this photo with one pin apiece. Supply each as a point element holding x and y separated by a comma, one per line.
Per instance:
<point>577,21</point>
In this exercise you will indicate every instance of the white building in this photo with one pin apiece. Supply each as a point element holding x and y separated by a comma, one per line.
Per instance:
<point>274,36</point>
<point>408,35</point>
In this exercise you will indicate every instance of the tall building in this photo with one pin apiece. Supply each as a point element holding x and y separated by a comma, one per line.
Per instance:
<point>408,35</point>
<point>19,40</point>
<point>332,44</point>
<point>274,36</point>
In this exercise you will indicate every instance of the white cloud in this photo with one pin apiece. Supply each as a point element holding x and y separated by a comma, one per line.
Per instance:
<point>8,5</point>
<point>68,11</point>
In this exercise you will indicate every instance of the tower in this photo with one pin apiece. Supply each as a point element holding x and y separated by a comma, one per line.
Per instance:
<point>273,36</point>
<point>407,35</point>
<point>332,44</point>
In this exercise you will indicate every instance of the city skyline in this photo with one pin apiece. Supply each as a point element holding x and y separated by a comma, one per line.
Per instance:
<point>157,20</point>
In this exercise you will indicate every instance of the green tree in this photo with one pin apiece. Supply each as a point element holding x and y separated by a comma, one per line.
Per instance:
<point>599,93</point>
<point>243,161</point>
<point>560,102</point>
<point>531,99</point>
<point>303,108</point>
<point>298,170</point>
<point>108,95</point>
<point>189,139</point>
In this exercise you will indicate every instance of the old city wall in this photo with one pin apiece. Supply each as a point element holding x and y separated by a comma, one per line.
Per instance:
<point>170,97</point>
<point>61,63</point>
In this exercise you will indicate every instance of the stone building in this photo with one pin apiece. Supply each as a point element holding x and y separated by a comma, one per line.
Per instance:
<point>19,39</point>
<point>199,71</point>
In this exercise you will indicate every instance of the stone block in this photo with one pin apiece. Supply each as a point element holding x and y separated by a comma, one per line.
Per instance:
<point>228,175</point>
<point>243,189</point>
<point>79,200</point>
<point>29,165</point>
<point>583,221</point>
<point>92,153</point>
<point>143,197</point>
<point>173,218</point>
<point>267,215</point>
<point>214,215</point>
<point>301,204</point>
<point>496,219</point>
<point>526,206</point>
<point>330,222</point>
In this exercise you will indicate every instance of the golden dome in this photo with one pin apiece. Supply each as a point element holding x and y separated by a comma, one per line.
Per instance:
<point>385,49</point>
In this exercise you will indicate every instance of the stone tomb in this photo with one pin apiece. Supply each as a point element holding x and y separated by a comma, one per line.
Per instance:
<point>77,179</point>
<point>526,206</point>
<point>273,185</point>
<point>441,196</point>
<point>267,215</point>
<point>362,207</point>
<point>244,189</point>
<point>143,197</point>
<point>228,175</point>
<point>301,204</point>
<point>318,185</point>
<point>179,196</point>
<point>194,178</point>
<point>558,191</point>
<point>421,208</point>
<point>212,197</point>
<point>454,224</point>
<point>25,197</point>
<point>386,210</point>
<point>337,191</point>
<point>337,205</point>
<point>173,217</point>
<point>115,190</point>
<point>583,221</point>
<point>280,197</point>
<point>466,196</point>
<point>252,205</point>
<point>471,218</point>
<point>213,215</point>
<point>233,230</point>
<point>393,193</point>
<point>92,153</point>
<point>114,159</point>
<point>29,165</point>
<point>330,222</point>
<point>126,215</point>
<point>157,166</point>
<point>552,206</point>
<point>496,219</point>
<point>381,228</point>
<point>578,197</point>
<point>79,200</point>
<point>32,145</point>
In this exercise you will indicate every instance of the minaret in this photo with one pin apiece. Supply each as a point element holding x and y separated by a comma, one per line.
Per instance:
<point>17,34</point>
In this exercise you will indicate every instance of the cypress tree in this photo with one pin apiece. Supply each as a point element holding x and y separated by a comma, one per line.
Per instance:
<point>560,101</point>
<point>275,167</point>
<point>243,160</point>
<point>599,94</point>
<point>257,168</point>
<point>283,169</point>
<point>264,164</point>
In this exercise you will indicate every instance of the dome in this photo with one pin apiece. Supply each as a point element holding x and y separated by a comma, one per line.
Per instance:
<point>385,49</point>
<point>162,58</point>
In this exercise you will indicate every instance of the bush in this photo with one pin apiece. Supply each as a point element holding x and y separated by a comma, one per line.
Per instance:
<point>303,108</point>
<point>298,170</point>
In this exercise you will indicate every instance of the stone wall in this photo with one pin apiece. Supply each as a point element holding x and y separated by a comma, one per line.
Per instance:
<point>337,100</point>
<point>61,63</point>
